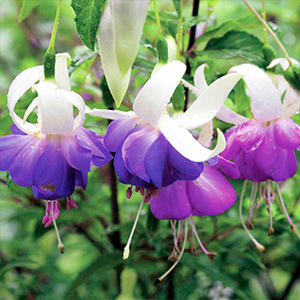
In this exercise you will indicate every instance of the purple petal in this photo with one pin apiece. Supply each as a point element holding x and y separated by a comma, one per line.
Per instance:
<point>232,147</point>
<point>135,149</point>
<point>52,175</point>
<point>278,163</point>
<point>94,142</point>
<point>22,166</point>
<point>156,163</point>
<point>124,175</point>
<point>77,157</point>
<point>211,194</point>
<point>171,202</point>
<point>117,131</point>
<point>16,130</point>
<point>81,179</point>
<point>227,167</point>
<point>10,146</point>
<point>250,135</point>
<point>287,133</point>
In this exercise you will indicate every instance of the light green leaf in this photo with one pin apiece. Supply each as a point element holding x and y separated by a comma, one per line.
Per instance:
<point>87,19</point>
<point>27,7</point>
<point>236,44</point>
<point>177,7</point>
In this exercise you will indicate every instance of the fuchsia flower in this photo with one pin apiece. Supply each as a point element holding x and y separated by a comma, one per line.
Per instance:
<point>153,150</point>
<point>55,154</point>
<point>263,148</point>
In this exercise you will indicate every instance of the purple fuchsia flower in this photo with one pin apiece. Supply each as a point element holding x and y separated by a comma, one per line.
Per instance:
<point>55,154</point>
<point>153,150</point>
<point>263,147</point>
<point>210,194</point>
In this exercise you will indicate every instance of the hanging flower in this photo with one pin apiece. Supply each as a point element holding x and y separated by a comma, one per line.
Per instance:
<point>55,154</point>
<point>121,28</point>
<point>151,148</point>
<point>263,147</point>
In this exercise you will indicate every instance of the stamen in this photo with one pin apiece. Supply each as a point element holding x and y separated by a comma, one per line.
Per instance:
<point>160,279</point>
<point>259,246</point>
<point>60,245</point>
<point>129,192</point>
<point>259,196</point>
<point>252,200</point>
<point>71,203</point>
<point>126,249</point>
<point>284,208</point>
<point>269,202</point>
<point>211,255</point>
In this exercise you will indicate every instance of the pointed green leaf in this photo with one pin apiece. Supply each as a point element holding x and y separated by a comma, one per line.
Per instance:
<point>88,13</point>
<point>177,7</point>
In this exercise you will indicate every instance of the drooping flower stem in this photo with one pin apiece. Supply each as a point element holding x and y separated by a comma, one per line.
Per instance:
<point>196,5</point>
<point>268,28</point>
<point>49,57</point>
<point>259,246</point>
<point>263,13</point>
<point>179,31</point>
<point>60,245</point>
<point>157,17</point>
<point>127,247</point>
<point>284,208</point>
<point>160,279</point>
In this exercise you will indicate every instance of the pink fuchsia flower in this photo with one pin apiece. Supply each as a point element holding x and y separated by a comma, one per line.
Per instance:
<point>55,154</point>
<point>263,147</point>
<point>151,148</point>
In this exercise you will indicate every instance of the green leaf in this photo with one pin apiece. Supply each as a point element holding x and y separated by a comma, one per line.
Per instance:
<point>177,7</point>
<point>27,7</point>
<point>236,44</point>
<point>87,19</point>
<point>80,59</point>
<point>218,32</point>
<point>178,98</point>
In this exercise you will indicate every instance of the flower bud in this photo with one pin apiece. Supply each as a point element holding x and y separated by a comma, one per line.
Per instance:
<point>292,75</point>
<point>162,49</point>
<point>269,53</point>
<point>49,63</point>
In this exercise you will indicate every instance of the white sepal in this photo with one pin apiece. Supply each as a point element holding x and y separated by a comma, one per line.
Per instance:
<point>199,79</point>
<point>23,82</point>
<point>61,71</point>
<point>209,102</point>
<point>128,18</point>
<point>185,143</point>
<point>56,111</point>
<point>110,114</point>
<point>227,115</point>
<point>265,100</point>
<point>117,82</point>
<point>153,98</point>
<point>283,62</point>
<point>206,134</point>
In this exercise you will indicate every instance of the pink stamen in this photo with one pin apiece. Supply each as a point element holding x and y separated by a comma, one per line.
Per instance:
<point>71,203</point>
<point>129,192</point>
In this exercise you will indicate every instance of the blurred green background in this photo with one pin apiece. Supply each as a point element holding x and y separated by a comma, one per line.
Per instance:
<point>92,265</point>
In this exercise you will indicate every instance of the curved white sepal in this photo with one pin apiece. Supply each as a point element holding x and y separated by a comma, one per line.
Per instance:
<point>56,111</point>
<point>283,62</point>
<point>185,143</point>
<point>111,114</point>
<point>23,82</point>
<point>151,101</point>
<point>35,102</point>
<point>128,18</point>
<point>199,79</point>
<point>190,87</point>
<point>206,134</point>
<point>227,115</point>
<point>209,102</point>
<point>265,99</point>
<point>117,82</point>
<point>61,71</point>
<point>77,101</point>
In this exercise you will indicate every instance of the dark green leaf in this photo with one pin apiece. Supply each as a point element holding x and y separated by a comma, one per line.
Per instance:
<point>218,32</point>
<point>178,98</point>
<point>87,19</point>
<point>106,94</point>
<point>177,7</point>
<point>78,60</point>
<point>27,7</point>
<point>236,44</point>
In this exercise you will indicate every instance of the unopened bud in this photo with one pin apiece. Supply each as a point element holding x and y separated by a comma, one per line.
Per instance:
<point>162,49</point>
<point>292,75</point>
<point>269,53</point>
<point>49,63</point>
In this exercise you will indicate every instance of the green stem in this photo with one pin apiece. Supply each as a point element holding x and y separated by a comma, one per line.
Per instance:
<point>264,16</point>
<point>269,30</point>
<point>157,17</point>
<point>54,31</point>
<point>179,31</point>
